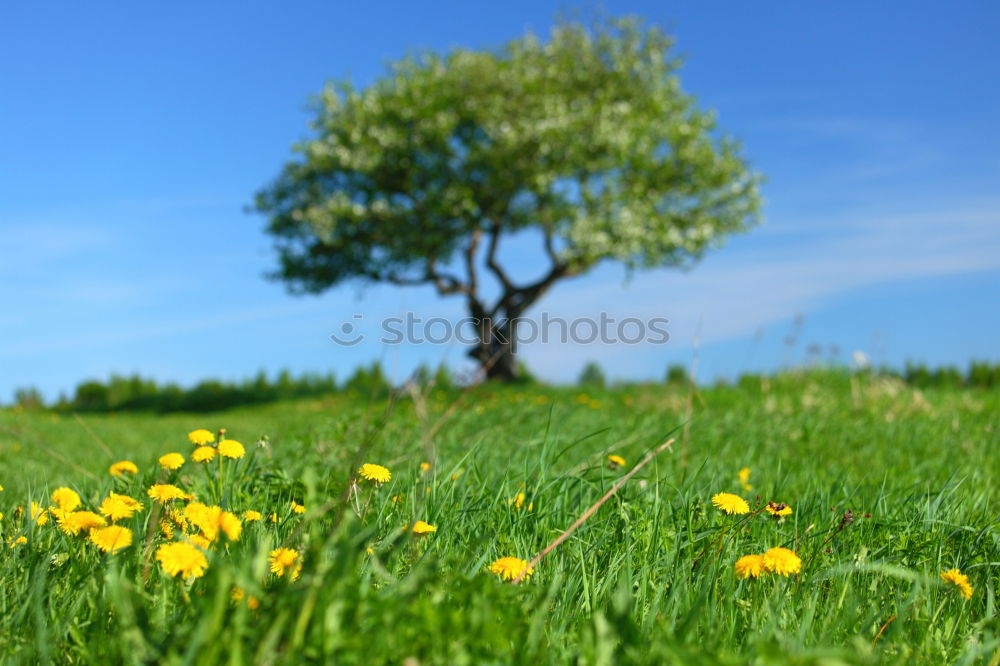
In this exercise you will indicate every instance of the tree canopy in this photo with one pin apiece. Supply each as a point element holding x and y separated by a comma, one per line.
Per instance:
<point>587,138</point>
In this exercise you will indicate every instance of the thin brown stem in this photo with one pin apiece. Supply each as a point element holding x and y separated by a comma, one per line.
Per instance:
<point>593,508</point>
<point>97,439</point>
<point>882,630</point>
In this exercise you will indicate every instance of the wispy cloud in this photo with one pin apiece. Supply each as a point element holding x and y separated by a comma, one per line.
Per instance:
<point>736,293</point>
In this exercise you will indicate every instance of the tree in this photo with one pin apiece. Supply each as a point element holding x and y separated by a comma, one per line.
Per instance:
<point>677,374</point>
<point>29,398</point>
<point>592,376</point>
<point>586,140</point>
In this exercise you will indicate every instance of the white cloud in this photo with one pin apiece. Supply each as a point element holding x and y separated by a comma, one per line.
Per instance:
<point>734,294</point>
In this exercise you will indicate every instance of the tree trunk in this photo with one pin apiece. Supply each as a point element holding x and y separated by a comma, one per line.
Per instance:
<point>497,347</point>
<point>504,367</point>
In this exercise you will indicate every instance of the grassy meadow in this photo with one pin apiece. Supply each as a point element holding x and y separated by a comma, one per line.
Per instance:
<point>889,487</point>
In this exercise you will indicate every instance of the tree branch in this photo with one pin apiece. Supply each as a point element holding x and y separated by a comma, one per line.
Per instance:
<point>491,260</point>
<point>550,249</point>
<point>470,261</point>
<point>519,298</point>
<point>444,283</point>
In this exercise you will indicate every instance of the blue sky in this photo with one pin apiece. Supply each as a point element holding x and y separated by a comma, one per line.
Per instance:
<point>133,136</point>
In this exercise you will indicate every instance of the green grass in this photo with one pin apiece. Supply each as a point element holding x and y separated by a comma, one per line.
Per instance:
<point>648,579</point>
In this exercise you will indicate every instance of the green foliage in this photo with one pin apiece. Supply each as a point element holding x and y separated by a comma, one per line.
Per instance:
<point>648,579</point>
<point>138,394</point>
<point>587,136</point>
<point>440,378</point>
<point>981,374</point>
<point>677,374</point>
<point>368,382</point>
<point>443,378</point>
<point>592,376</point>
<point>28,398</point>
<point>984,374</point>
<point>586,139</point>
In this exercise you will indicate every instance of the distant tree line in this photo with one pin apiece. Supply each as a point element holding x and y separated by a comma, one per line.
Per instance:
<point>980,374</point>
<point>128,393</point>
<point>135,393</point>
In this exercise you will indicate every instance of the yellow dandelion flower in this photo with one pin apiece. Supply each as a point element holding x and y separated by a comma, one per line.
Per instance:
<point>200,540</point>
<point>203,454</point>
<point>509,568</point>
<point>251,516</point>
<point>130,502</point>
<point>182,558</point>
<point>194,511</point>
<point>74,522</point>
<point>778,509</point>
<point>731,504</point>
<point>230,525</point>
<point>959,580</point>
<point>517,501</point>
<point>230,448</point>
<point>66,499</point>
<point>123,467</point>
<point>744,477</point>
<point>782,561</point>
<point>396,499</point>
<point>165,492</point>
<point>375,473</point>
<point>117,506</point>
<point>425,467</point>
<point>171,461</point>
<point>750,565</point>
<point>178,519</point>
<point>56,513</point>
<point>19,541</point>
<point>167,528</point>
<point>38,514</point>
<point>111,539</point>
<point>238,594</point>
<point>420,527</point>
<point>298,508</point>
<point>205,518</point>
<point>282,559</point>
<point>201,437</point>
<point>273,517</point>
<point>615,461</point>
